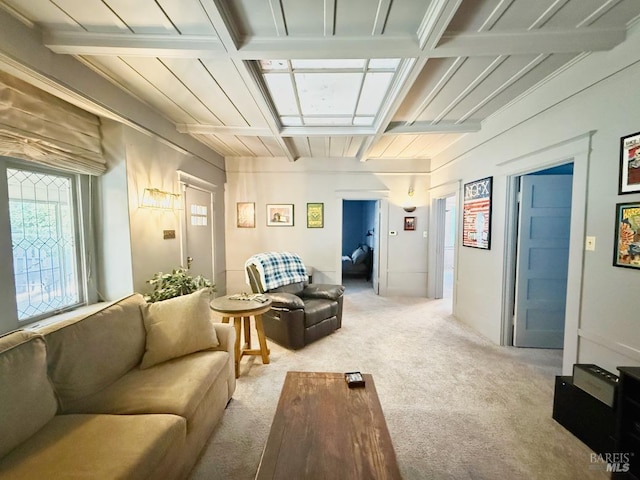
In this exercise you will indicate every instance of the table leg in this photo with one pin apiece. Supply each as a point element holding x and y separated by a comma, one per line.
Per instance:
<point>264,351</point>
<point>237,323</point>
<point>247,332</point>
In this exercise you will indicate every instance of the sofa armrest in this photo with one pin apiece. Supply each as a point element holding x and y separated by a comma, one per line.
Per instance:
<point>227,338</point>
<point>323,291</point>
<point>286,300</point>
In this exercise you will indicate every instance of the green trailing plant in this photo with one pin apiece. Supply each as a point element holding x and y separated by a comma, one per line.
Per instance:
<point>178,282</point>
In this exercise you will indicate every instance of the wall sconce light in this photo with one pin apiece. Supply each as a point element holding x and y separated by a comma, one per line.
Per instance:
<point>154,198</point>
<point>409,208</point>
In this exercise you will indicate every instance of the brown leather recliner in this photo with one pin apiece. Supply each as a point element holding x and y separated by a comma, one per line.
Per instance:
<point>300,313</point>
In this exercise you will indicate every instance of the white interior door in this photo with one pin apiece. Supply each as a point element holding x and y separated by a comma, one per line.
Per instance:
<point>542,261</point>
<point>376,251</point>
<point>198,232</point>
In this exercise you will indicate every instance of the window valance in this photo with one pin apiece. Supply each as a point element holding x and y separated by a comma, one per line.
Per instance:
<point>39,127</point>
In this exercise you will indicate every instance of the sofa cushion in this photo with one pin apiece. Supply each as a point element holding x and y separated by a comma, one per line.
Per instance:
<point>178,326</point>
<point>316,310</point>
<point>27,399</point>
<point>96,446</point>
<point>86,354</point>
<point>177,386</point>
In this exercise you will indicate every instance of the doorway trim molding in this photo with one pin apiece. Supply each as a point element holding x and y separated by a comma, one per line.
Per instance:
<point>576,150</point>
<point>380,241</point>
<point>435,260</point>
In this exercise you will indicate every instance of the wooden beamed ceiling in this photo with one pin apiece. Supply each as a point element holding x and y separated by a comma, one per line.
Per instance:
<point>196,62</point>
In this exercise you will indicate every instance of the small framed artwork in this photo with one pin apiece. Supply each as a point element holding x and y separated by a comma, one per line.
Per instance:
<point>246,215</point>
<point>629,164</point>
<point>476,214</point>
<point>627,245</point>
<point>315,215</point>
<point>280,215</point>
<point>409,223</point>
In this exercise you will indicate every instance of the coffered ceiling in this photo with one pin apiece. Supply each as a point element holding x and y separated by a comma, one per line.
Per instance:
<point>355,79</point>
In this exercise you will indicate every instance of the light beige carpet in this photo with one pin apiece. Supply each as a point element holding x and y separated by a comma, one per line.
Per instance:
<point>457,406</point>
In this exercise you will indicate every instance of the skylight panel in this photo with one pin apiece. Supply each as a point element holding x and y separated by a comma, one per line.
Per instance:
<point>373,91</point>
<point>282,93</point>
<point>328,93</point>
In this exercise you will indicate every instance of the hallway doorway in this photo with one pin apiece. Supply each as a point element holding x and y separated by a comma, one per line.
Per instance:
<point>543,227</point>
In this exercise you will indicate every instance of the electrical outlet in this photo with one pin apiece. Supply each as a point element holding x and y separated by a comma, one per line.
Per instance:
<point>590,244</point>
<point>424,234</point>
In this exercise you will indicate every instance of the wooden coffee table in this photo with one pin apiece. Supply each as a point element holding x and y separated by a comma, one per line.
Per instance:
<point>322,429</point>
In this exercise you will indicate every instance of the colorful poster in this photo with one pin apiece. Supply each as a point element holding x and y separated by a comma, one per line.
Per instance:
<point>630,164</point>
<point>476,215</point>
<point>627,244</point>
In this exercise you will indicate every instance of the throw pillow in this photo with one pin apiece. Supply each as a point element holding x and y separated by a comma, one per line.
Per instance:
<point>358,256</point>
<point>177,327</point>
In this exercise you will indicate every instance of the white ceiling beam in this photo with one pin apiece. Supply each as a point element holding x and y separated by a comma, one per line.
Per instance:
<point>531,42</point>
<point>222,23</point>
<point>417,128</point>
<point>604,8</point>
<point>206,129</point>
<point>200,129</point>
<point>133,45</point>
<point>451,45</point>
<point>329,47</point>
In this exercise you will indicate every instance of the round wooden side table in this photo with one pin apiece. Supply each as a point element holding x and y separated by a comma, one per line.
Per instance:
<point>241,311</point>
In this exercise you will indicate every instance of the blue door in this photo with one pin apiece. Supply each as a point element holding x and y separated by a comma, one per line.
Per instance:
<point>543,259</point>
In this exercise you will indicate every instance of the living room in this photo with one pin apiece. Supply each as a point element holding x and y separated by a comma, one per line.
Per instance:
<point>574,104</point>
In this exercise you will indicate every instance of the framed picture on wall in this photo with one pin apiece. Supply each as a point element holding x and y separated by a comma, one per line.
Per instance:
<point>315,215</point>
<point>629,164</point>
<point>409,223</point>
<point>246,215</point>
<point>627,244</point>
<point>476,214</point>
<point>280,215</point>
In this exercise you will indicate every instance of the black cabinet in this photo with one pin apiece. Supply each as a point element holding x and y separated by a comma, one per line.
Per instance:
<point>589,419</point>
<point>628,421</point>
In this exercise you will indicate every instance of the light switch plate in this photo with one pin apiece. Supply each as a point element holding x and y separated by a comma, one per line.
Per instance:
<point>392,233</point>
<point>590,244</point>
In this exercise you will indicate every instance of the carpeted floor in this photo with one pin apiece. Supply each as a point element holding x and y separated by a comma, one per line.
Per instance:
<point>457,406</point>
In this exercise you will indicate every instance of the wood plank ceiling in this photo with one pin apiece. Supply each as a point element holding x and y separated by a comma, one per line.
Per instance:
<point>197,61</point>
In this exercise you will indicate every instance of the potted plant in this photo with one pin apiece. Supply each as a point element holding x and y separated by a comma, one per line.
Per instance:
<point>178,282</point>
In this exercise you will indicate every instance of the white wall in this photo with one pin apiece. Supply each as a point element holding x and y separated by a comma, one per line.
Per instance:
<point>598,94</point>
<point>328,181</point>
<point>133,244</point>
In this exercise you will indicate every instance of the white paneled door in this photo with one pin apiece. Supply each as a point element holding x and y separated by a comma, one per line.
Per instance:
<point>542,263</point>
<point>198,231</point>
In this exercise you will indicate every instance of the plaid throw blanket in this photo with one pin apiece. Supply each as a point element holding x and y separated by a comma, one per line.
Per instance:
<point>278,268</point>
